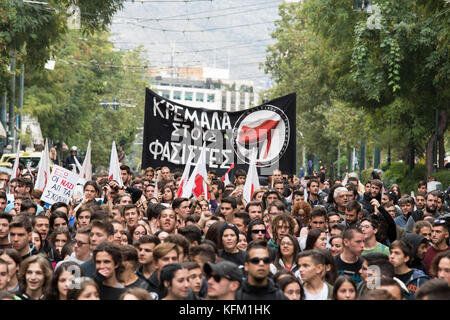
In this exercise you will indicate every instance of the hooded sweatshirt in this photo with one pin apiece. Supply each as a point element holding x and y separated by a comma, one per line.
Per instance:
<point>415,240</point>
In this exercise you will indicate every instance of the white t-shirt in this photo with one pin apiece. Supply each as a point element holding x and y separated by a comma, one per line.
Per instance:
<point>322,295</point>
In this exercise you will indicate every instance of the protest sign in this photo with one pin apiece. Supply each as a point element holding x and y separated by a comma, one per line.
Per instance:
<point>60,187</point>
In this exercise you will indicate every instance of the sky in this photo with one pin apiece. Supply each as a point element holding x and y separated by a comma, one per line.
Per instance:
<point>230,34</point>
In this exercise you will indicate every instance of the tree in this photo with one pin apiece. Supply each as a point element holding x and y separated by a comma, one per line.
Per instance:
<point>29,31</point>
<point>66,100</point>
<point>392,64</point>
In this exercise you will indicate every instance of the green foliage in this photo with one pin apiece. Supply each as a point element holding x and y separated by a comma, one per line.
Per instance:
<point>396,172</point>
<point>366,175</point>
<point>31,30</point>
<point>66,100</point>
<point>355,80</point>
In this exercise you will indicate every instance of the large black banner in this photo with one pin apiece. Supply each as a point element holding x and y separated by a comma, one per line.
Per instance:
<point>171,130</point>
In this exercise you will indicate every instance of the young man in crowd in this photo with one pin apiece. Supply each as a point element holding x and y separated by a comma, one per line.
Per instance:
<point>312,268</point>
<point>400,255</point>
<point>439,238</point>
<point>20,235</point>
<point>145,246</point>
<point>258,285</point>
<point>349,261</point>
<point>406,203</point>
<point>224,279</point>
<point>163,254</point>
<point>5,220</point>
<point>254,210</point>
<point>369,227</point>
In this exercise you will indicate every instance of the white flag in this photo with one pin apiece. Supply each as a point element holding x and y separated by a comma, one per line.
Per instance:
<point>77,165</point>
<point>44,169</point>
<point>114,166</point>
<point>196,184</point>
<point>15,171</point>
<point>252,180</point>
<point>181,190</point>
<point>86,170</point>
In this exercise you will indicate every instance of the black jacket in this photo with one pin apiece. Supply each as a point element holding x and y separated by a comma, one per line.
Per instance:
<point>365,202</point>
<point>154,286</point>
<point>268,292</point>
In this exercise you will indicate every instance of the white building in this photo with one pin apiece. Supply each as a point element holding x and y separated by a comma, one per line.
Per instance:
<point>202,87</point>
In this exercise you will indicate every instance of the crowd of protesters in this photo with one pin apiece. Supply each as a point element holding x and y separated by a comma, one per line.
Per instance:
<point>297,239</point>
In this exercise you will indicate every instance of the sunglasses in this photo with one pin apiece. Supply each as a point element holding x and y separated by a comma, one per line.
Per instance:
<point>256,260</point>
<point>216,277</point>
<point>439,221</point>
<point>263,231</point>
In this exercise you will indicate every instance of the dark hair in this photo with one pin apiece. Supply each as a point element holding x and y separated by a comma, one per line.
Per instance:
<point>147,239</point>
<point>331,274</point>
<point>55,215</point>
<point>70,266</point>
<point>278,255</point>
<point>436,260</point>
<point>434,289</point>
<point>179,240</point>
<point>192,233</point>
<point>349,233</point>
<point>167,274</point>
<point>27,204</point>
<point>353,205</point>
<point>177,202</point>
<point>244,216</point>
<point>231,201</point>
<point>312,237</point>
<point>285,281</point>
<point>104,225</point>
<point>93,184</point>
<point>256,244</point>
<point>343,278</point>
<point>219,183</point>
<point>372,221</point>
<point>316,256</point>
<point>21,221</point>
<point>7,216</point>
<point>213,233</point>
<point>58,205</point>
<point>82,283</point>
<point>113,250</point>
<point>250,227</point>
<point>205,251</point>
<point>318,211</point>
<point>404,246</point>
<point>13,254</point>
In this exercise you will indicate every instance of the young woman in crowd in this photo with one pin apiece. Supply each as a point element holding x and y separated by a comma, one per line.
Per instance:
<point>344,288</point>
<point>286,254</point>
<point>63,278</point>
<point>229,237</point>
<point>291,287</point>
<point>13,259</point>
<point>316,239</point>
<point>336,245</point>
<point>85,289</point>
<point>174,278</point>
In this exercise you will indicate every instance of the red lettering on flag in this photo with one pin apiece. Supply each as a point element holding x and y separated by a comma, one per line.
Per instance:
<point>249,135</point>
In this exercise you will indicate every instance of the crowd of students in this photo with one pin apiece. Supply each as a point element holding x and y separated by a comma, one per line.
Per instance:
<point>297,239</point>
